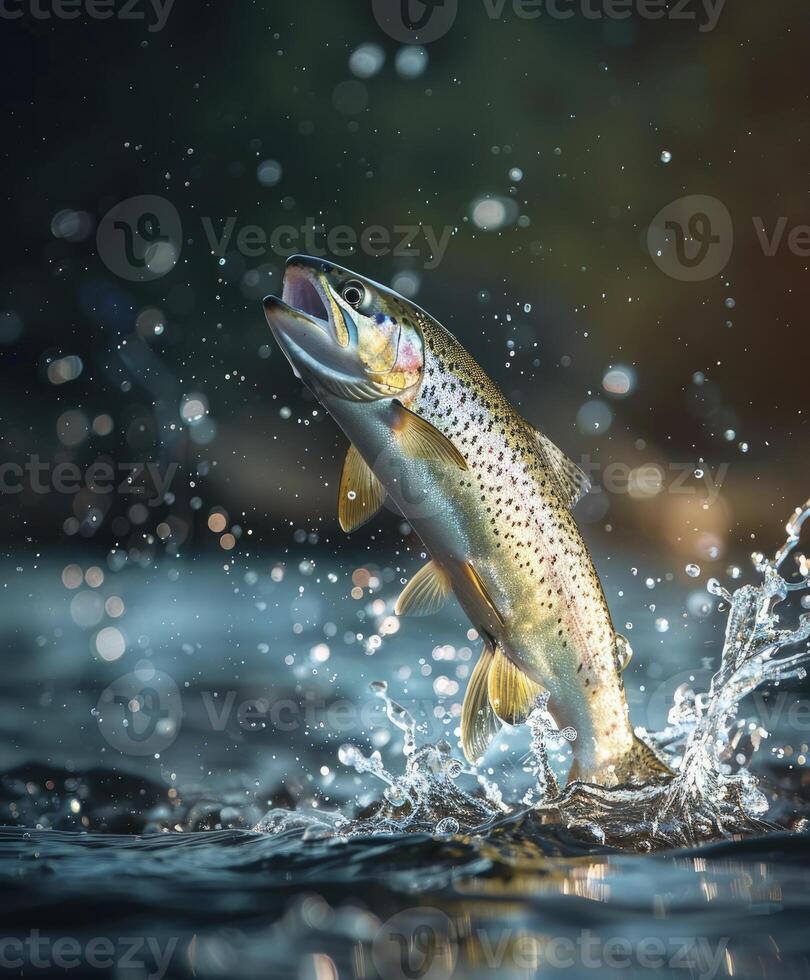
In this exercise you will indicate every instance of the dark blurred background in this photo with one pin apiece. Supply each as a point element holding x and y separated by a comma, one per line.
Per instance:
<point>537,153</point>
<point>541,143</point>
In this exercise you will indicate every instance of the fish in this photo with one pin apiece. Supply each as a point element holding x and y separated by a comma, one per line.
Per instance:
<point>489,495</point>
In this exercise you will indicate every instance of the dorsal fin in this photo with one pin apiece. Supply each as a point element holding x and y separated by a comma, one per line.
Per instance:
<point>511,693</point>
<point>478,722</point>
<point>361,494</point>
<point>426,592</point>
<point>569,480</point>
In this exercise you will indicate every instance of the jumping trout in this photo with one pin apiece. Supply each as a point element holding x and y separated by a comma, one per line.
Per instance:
<point>490,497</point>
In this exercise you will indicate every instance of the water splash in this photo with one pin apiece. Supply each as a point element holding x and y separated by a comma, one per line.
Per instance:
<point>543,732</point>
<point>425,798</point>
<point>712,794</point>
<point>708,797</point>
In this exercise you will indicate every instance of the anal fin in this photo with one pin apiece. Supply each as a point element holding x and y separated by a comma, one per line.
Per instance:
<point>479,724</point>
<point>511,693</point>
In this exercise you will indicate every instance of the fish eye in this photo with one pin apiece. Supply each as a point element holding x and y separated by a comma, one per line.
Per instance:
<point>354,293</point>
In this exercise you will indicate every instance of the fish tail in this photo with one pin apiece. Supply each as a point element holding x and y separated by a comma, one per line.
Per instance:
<point>639,764</point>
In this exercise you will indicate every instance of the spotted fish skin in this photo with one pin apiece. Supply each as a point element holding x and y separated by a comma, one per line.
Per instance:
<point>527,549</point>
<point>489,496</point>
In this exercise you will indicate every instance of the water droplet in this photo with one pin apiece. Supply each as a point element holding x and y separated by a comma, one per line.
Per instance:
<point>454,768</point>
<point>666,156</point>
<point>449,825</point>
<point>395,795</point>
<point>692,570</point>
<point>349,755</point>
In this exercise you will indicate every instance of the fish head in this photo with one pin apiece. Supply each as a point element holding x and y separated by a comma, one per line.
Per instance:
<point>346,335</point>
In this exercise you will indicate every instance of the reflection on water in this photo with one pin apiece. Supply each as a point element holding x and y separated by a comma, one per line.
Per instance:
<point>521,900</point>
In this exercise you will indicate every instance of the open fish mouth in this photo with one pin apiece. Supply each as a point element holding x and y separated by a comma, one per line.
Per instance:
<point>304,322</point>
<point>300,319</point>
<point>302,291</point>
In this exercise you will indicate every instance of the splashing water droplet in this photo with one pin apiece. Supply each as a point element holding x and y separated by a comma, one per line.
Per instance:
<point>396,795</point>
<point>349,755</point>
<point>448,825</point>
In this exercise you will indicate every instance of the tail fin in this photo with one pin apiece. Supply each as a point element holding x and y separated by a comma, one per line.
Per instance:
<point>639,764</point>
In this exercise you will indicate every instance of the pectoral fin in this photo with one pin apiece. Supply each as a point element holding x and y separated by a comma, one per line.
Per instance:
<point>361,494</point>
<point>478,722</point>
<point>421,440</point>
<point>511,693</point>
<point>570,481</point>
<point>426,592</point>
